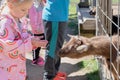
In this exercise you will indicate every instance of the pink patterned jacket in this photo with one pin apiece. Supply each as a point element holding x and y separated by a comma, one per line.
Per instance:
<point>36,20</point>
<point>14,43</point>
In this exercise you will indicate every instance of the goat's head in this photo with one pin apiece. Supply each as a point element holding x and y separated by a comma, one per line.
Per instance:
<point>75,47</point>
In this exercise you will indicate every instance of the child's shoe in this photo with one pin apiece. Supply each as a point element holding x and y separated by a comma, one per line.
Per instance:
<point>60,76</point>
<point>34,62</point>
<point>39,61</point>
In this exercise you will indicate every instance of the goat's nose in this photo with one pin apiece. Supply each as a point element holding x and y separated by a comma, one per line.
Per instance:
<point>60,52</point>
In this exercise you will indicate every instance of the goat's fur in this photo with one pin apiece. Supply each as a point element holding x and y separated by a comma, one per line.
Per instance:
<point>78,47</point>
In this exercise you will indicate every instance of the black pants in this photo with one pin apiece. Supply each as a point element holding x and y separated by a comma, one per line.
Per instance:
<point>37,51</point>
<point>54,36</point>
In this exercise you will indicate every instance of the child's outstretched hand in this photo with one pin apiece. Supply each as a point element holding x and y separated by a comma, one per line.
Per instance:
<point>38,43</point>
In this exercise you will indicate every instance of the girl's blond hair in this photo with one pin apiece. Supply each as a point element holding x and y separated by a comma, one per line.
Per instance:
<point>18,1</point>
<point>12,1</point>
<point>2,6</point>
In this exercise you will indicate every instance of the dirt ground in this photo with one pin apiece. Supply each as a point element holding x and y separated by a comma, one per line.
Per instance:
<point>69,66</point>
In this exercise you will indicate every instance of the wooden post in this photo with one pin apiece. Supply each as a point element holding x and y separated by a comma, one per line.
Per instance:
<point>109,10</point>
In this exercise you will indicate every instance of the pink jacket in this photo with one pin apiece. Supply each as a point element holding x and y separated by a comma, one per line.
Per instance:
<point>36,20</point>
<point>13,49</point>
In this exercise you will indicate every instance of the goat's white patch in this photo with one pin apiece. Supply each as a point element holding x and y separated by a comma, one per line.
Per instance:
<point>82,48</point>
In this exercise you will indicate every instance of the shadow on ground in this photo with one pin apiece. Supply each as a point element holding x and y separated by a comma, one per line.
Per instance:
<point>72,68</point>
<point>83,77</point>
<point>36,72</point>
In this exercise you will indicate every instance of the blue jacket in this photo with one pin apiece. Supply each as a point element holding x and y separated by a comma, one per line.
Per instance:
<point>56,10</point>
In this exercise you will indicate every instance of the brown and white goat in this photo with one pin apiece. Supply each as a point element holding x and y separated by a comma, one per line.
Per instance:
<point>78,47</point>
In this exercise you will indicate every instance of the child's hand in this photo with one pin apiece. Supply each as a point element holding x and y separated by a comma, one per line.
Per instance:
<point>42,43</point>
<point>39,43</point>
<point>39,37</point>
<point>37,31</point>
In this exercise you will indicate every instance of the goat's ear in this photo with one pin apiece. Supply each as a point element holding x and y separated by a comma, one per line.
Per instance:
<point>82,48</point>
<point>69,35</point>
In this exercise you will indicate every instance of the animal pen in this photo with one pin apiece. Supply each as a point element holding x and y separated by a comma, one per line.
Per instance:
<point>105,22</point>
<point>106,10</point>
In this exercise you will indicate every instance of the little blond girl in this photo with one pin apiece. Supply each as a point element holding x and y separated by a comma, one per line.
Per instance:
<point>14,39</point>
<point>35,15</point>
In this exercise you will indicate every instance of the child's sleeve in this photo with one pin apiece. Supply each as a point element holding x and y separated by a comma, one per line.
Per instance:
<point>28,45</point>
<point>7,39</point>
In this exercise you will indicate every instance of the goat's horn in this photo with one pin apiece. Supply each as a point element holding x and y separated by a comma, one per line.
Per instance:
<point>82,48</point>
<point>69,35</point>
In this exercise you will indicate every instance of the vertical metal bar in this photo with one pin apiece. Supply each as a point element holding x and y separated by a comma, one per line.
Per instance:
<point>118,36</point>
<point>110,4</point>
<point>96,16</point>
<point>78,20</point>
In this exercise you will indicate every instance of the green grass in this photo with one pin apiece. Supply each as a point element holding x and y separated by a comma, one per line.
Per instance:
<point>73,23</point>
<point>115,1</point>
<point>91,67</point>
<point>72,8</point>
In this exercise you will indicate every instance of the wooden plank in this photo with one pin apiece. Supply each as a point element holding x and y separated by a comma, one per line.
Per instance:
<point>85,20</point>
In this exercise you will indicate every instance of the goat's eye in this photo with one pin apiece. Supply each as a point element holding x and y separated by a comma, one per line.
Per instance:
<point>75,46</point>
<point>79,42</point>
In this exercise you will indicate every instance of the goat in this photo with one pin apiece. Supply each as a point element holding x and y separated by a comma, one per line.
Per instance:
<point>78,47</point>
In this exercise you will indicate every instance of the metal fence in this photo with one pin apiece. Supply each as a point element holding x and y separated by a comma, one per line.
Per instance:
<point>107,23</point>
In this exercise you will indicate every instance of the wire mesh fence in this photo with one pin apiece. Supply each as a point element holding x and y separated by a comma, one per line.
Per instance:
<point>108,23</point>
